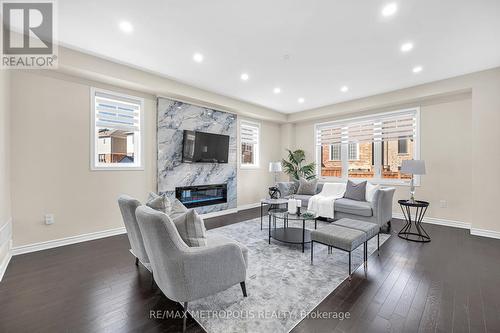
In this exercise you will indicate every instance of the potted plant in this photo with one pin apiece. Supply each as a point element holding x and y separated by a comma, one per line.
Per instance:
<point>295,168</point>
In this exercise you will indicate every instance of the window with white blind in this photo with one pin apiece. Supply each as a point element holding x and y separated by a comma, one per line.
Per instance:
<point>116,131</point>
<point>369,147</point>
<point>249,144</point>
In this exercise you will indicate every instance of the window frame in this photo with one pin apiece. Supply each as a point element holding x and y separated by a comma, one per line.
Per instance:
<point>330,151</point>
<point>256,164</point>
<point>94,158</point>
<point>377,179</point>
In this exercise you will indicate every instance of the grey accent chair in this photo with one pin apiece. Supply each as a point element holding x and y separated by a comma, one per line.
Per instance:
<point>128,205</point>
<point>186,273</point>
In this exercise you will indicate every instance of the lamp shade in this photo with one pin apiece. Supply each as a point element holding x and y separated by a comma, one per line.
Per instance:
<point>275,167</point>
<point>414,167</point>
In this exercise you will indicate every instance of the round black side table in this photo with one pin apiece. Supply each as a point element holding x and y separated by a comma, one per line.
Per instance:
<point>420,236</point>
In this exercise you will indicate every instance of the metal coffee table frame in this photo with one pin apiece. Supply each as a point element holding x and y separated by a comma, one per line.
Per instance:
<point>290,235</point>
<point>274,204</point>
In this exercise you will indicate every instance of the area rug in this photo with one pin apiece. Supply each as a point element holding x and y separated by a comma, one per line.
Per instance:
<point>282,285</point>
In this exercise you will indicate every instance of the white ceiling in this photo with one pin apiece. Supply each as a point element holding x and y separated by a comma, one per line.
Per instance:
<point>329,43</point>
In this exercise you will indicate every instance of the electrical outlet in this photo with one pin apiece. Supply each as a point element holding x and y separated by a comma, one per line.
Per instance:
<point>443,204</point>
<point>49,219</point>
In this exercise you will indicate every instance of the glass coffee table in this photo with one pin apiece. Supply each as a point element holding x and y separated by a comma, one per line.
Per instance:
<point>291,235</point>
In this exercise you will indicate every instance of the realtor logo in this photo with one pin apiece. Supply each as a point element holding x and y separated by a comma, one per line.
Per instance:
<point>28,35</point>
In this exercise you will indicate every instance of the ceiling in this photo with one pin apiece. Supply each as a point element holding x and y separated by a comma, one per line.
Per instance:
<point>308,48</point>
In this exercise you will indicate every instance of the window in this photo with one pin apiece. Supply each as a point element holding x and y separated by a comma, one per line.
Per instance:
<point>334,152</point>
<point>249,143</point>
<point>371,147</point>
<point>402,146</point>
<point>116,131</point>
<point>353,151</point>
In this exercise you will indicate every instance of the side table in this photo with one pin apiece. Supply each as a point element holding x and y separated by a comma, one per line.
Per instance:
<point>420,235</point>
<point>273,205</point>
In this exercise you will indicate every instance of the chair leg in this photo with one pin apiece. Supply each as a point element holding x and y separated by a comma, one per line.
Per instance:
<point>378,244</point>
<point>137,261</point>
<point>312,251</point>
<point>350,278</point>
<point>184,317</point>
<point>243,288</point>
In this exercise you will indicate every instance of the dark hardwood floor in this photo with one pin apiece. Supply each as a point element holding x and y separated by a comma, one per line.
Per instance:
<point>449,285</point>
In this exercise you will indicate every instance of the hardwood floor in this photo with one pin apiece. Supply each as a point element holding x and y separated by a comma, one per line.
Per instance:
<point>448,285</point>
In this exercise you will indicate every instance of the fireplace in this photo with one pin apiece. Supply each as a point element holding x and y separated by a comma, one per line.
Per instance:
<point>203,195</point>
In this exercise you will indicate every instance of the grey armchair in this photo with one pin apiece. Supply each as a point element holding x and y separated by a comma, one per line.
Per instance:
<point>128,205</point>
<point>186,273</point>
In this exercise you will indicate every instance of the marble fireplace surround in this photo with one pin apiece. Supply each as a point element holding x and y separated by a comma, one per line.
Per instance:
<point>173,118</point>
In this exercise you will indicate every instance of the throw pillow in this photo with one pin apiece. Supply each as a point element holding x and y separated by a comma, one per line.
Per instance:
<point>307,187</point>
<point>177,208</point>
<point>158,202</point>
<point>370,191</point>
<point>191,228</point>
<point>355,191</point>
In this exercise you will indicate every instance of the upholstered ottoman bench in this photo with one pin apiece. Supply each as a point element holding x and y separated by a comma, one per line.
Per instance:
<point>341,238</point>
<point>370,229</point>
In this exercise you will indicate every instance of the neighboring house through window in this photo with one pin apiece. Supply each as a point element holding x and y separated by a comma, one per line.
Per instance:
<point>369,147</point>
<point>249,144</point>
<point>116,131</point>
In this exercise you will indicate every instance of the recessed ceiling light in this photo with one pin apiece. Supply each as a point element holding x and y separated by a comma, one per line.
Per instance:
<point>244,76</point>
<point>417,69</point>
<point>406,47</point>
<point>277,90</point>
<point>301,100</point>
<point>390,9</point>
<point>198,57</point>
<point>344,89</point>
<point>126,26</point>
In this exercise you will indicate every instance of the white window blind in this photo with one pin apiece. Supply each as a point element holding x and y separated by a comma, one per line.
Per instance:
<point>117,112</point>
<point>393,126</point>
<point>249,133</point>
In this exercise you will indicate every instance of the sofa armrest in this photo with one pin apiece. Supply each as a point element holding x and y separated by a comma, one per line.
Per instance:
<point>286,188</point>
<point>209,270</point>
<point>382,204</point>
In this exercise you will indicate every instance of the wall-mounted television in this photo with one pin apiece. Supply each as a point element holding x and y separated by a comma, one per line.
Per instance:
<point>201,147</point>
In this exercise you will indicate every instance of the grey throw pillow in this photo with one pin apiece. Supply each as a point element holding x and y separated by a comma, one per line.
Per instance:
<point>355,191</point>
<point>307,187</point>
<point>191,228</point>
<point>177,208</point>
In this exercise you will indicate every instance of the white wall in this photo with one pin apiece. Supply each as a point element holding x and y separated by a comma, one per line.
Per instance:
<point>5,200</point>
<point>253,183</point>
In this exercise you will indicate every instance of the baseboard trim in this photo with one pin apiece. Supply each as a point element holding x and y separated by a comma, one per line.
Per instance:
<point>438,221</point>
<point>485,233</point>
<point>5,262</point>
<point>66,241</point>
<point>102,234</point>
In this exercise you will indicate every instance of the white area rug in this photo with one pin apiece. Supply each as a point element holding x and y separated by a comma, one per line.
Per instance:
<point>282,285</point>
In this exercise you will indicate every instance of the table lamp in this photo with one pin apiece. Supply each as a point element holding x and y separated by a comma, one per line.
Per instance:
<point>274,167</point>
<point>413,167</point>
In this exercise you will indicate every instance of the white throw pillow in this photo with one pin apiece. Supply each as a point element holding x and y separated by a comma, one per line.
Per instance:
<point>191,228</point>
<point>159,202</point>
<point>370,191</point>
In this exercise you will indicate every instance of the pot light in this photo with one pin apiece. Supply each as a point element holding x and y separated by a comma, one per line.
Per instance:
<point>198,57</point>
<point>406,47</point>
<point>301,100</point>
<point>126,26</point>
<point>417,69</point>
<point>244,76</point>
<point>389,9</point>
<point>277,90</point>
<point>344,89</point>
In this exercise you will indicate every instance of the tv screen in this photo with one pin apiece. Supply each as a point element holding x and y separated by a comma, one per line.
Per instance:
<point>201,147</point>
